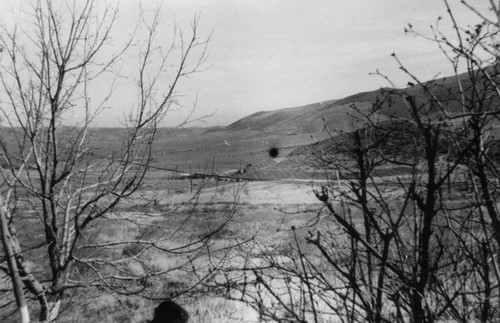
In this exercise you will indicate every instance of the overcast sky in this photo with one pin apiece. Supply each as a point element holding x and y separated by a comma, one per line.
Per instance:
<point>271,54</point>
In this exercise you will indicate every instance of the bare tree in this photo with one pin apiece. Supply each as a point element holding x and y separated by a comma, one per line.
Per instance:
<point>409,230</point>
<point>56,191</point>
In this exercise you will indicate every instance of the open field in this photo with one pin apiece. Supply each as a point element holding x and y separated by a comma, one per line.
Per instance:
<point>265,211</point>
<point>263,203</point>
<point>174,208</point>
<point>164,210</point>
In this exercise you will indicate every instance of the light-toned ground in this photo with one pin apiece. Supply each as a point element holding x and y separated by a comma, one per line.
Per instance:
<point>256,193</point>
<point>265,210</point>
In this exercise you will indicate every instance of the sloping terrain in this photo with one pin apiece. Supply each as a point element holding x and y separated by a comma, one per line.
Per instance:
<point>387,108</point>
<point>314,118</point>
<point>245,144</point>
<point>340,115</point>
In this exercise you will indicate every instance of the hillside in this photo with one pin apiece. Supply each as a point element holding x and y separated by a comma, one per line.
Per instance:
<point>343,116</point>
<point>339,116</point>
<point>314,118</point>
<point>248,140</point>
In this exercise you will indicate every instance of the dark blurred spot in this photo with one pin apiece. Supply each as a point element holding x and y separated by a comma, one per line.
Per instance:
<point>273,152</point>
<point>170,312</point>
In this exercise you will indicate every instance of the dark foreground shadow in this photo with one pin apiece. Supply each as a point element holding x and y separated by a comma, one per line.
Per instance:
<point>170,312</point>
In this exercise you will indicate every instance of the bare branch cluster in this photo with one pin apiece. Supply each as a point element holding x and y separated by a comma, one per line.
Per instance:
<point>410,225</point>
<point>56,192</point>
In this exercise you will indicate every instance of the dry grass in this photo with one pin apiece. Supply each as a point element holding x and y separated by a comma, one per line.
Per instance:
<point>265,211</point>
<point>159,212</point>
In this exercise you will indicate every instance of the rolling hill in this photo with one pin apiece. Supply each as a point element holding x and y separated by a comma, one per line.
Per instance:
<point>387,107</point>
<point>248,140</point>
<point>339,115</point>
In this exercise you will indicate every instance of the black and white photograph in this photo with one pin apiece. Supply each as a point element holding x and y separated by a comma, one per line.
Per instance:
<point>239,161</point>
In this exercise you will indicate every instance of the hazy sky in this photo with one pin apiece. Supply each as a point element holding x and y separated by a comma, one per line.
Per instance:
<point>271,54</point>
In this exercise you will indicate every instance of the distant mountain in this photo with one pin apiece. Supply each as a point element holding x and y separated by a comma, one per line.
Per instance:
<point>386,107</point>
<point>307,119</point>
<point>334,115</point>
<point>339,115</point>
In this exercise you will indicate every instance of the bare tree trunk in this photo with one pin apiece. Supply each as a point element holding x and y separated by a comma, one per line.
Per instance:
<point>7,243</point>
